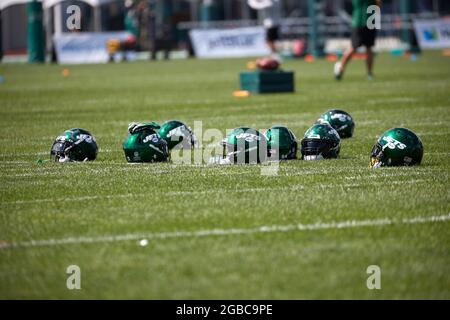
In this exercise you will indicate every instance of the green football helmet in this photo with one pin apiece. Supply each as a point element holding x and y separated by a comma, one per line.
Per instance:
<point>143,144</point>
<point>177,134</point>
<point>74,145</point>
<point>340,120</point>
<point>321,141</point>
<point>243,145</point>
<point>282,143</point>
<point>397,147</point>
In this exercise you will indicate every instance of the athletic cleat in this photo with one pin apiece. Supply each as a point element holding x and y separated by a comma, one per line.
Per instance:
<point>338,70</point>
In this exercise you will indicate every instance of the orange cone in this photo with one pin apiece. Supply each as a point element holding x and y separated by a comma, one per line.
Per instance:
<point>309,58</point>
<point>65,72</point>
<point>241,93</point>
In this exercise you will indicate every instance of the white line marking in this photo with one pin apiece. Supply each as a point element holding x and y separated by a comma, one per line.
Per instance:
<point>295,187</point>
<point>75,199</point>
<point>225,232</point>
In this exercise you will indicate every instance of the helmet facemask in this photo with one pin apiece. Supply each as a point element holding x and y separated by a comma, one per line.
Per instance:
<point>377,156</point>
<point>240,153</point>
<point>163,148</point>
<point>315,149</point>
<point>60,151</point>
<point>232,153</point>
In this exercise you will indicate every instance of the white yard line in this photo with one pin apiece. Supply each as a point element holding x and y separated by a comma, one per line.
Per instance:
<point>170,193</point>
<point>231,231</point>
<point>295,187</point>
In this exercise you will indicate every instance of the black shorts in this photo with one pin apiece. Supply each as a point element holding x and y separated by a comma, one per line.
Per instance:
<point>363,37</point>
<point>272,33</point>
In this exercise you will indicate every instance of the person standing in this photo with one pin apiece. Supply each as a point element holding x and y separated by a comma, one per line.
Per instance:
<point>130,19</point>
<point>270,14</point>
<point>361,36</point>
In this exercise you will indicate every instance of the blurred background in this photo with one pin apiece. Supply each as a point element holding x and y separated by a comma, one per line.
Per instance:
<point>160,28</point>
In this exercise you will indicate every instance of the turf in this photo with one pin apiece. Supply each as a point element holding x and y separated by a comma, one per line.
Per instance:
<point>42,201</point>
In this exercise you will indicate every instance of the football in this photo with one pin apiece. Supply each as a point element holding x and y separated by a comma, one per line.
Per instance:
<point>267,63</point>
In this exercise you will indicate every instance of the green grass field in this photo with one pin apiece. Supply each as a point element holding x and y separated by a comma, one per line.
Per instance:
<point>79,207</point>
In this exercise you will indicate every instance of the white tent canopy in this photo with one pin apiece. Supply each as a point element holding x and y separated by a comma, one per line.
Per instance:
<point>49,3</point>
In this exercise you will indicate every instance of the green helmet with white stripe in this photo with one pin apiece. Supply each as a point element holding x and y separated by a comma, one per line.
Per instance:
<point>340,120</point>
<point>397,147</point>
<point>177,135</point>
<point>244,145</point>
<point>74,145</point>
<point>143,144</point>
<point>321,141</point>
<point>282,143</point>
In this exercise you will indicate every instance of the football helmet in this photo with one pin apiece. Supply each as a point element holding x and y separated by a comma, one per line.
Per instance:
<point>282,143</point>
<point>177,134</point>
<point>243,145</point>
<point>321,141</point>
<point>143,144</point>
<point>397,147</point>
<point>74,145</point>
<point>340,120</point>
